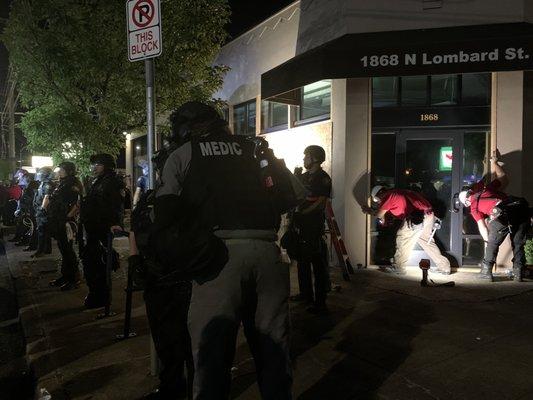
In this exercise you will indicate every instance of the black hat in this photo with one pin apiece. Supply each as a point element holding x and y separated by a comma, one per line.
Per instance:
<point>316,152</point>
<point>193,117</point>
<point>107,160</point>
<point>69,167</point>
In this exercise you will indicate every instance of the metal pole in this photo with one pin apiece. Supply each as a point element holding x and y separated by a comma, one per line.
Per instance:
<point>150,123</point>
<point>150,117</point>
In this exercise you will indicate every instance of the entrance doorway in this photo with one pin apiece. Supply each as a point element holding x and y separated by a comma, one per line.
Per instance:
<point>430,162</point>
<point>439,164</point>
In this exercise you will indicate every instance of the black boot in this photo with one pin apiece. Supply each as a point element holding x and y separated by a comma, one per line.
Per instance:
<point>486,272</point>
<point>517,274</point>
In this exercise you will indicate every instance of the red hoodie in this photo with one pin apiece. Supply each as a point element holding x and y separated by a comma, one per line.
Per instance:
<point>401,202</point>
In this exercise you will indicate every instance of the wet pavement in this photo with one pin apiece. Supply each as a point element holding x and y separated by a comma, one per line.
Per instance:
<point>385,337</point>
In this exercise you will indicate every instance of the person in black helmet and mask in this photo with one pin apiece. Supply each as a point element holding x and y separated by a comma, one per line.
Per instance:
<point>102,212</point>
<point>62,212</point>
<point>40,204</point>
<point>212,183</point>
<point>309,220</point>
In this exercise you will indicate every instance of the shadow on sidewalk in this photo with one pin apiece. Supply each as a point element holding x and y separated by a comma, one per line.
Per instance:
<point>374,347</point>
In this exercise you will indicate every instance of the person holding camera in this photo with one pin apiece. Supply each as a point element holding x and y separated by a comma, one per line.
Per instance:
<point>417,226</point>
<point>498,215</point>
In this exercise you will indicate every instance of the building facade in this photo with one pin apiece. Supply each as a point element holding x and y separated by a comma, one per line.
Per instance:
<point>410,94</point>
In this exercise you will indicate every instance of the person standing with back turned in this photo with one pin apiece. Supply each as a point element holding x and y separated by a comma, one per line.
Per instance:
<point>212,183</point>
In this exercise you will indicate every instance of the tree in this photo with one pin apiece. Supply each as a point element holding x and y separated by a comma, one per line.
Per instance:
<point>74,78</point>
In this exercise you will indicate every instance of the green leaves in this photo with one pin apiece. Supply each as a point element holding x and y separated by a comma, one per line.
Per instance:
<point>73,75</point>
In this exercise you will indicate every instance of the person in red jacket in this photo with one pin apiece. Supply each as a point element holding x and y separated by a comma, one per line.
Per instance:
<point>418,222</point>
<point>498,215</point>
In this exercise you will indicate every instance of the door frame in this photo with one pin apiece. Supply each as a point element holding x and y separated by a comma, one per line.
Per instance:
<point>456,218</point>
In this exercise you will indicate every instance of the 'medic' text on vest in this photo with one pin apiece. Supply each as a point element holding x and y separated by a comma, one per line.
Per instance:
<point>220,149</point>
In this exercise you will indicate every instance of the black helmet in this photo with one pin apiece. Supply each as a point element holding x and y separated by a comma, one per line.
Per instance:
<point>316,152</point>
<point>107,160</point>
<point>69,167</point>
<point>192,118</point>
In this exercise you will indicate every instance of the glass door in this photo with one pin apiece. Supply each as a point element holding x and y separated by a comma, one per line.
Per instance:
<point>431,163</point>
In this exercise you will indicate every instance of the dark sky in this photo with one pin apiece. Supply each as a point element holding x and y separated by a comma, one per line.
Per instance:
<point>248,13</point>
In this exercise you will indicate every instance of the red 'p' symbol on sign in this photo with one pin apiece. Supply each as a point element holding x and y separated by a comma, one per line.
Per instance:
<point>143,13</point>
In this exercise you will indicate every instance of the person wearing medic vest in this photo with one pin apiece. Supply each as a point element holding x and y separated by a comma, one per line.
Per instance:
<point>418,222</point>
<point>102,213</point>
<point>498,215</point>
<point>213,183</point>
<point>63,210</point>
<point>309,221</point>
<point>40,204</point>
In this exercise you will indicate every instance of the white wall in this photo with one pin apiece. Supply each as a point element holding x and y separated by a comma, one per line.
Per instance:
<point>509,126</point>
<point>338,170</point>
<point>259,50</point>
<point>528,11</point>
<point>356,133</point>
<point>509,140</point>
<point>324,20</point>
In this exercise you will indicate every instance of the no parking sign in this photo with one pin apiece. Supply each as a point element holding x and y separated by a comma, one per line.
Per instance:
<point>144,29</point>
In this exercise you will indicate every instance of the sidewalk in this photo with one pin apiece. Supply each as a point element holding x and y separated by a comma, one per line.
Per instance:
<point>384,338</point>
<point>75,355</point>
<point>16,379</point>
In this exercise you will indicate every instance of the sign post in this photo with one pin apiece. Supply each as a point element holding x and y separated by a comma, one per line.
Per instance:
<point>144,43</point>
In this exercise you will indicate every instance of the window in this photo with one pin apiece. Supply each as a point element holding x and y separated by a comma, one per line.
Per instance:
<point>476,89</point>
<point>434,90</point>
<point>244,118</point>
<point>274,115</point>
<point>414,90</point>
<point>225,113</point>
<point>385,91</point>
<point>444,90</point>
<point>316,100</point>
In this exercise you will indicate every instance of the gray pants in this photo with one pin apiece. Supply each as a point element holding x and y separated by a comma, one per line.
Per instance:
<point>253,288</point>
<point>409,235</point>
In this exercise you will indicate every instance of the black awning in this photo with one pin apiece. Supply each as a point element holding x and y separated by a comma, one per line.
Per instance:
<point>478,48</point>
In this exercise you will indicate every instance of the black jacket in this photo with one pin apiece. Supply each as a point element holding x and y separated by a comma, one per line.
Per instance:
<point>103,206</point>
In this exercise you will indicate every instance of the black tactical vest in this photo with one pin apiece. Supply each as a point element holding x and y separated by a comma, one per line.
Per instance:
<point>97,211</point>
<point>223,187</point>
<point>63,198</point>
